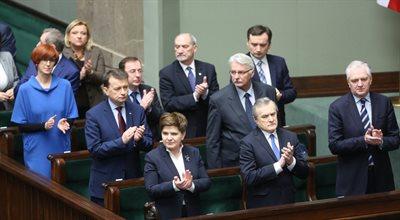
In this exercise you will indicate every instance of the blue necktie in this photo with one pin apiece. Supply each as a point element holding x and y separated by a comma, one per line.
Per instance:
<point>134,95</point>
<point>275,148</point>
<point>366,124</point>
<point>248,106</point>
<point>261,72</point>
<point>191,78</point>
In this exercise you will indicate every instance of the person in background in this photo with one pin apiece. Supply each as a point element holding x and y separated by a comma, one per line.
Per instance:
<point>115,132</point>
<point>362,129</point>
<point>8,40</point>
<point>269,157</point>
<point>142,94</point>
<point>44,110</point>
<point>90,61</point>
<point>64,68</point>
<point>270,69</point>
<point>8,79</point>
<point>174,174</point>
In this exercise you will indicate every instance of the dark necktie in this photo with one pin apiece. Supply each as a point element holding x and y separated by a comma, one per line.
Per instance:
<point>366,123</point>
<point>248,107</point>
<point>191,78</point>
<point>275,148</point>
<point>134,97</point>
<point>261,72</point>
<point>121,122</point>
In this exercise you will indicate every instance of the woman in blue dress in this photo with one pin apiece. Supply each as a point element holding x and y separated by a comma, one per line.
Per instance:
<point>43,110</point>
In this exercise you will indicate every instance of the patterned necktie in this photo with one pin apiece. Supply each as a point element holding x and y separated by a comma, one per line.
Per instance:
<point>121,122</point>
<point>191,78</point>
<point>248,106</point>
<point>366,123</point>
<point>134,97</point>
<point>261,72</point>
<point>275,148</point>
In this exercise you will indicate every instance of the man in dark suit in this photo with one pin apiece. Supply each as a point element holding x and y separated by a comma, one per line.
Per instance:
<point>115,132</point>
<point>186,85</point>
<point>362,129</point>
<point>142,94</point>
<point>270,69</point>
<point>229,114</point>
<point>64,68</point>
<point>269,157</point>
<point>7,39</point>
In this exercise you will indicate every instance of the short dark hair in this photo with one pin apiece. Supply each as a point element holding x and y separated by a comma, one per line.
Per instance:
<point>258,30</point>
<point>122,63</point>
<point>175,119</point>
<point>115,73</point>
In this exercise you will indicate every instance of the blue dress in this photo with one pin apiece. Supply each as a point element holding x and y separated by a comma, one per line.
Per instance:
<point>35,105</point>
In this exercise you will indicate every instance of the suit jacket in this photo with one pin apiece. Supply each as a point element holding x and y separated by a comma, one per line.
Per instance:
<point>65,69</point>
<point>281,80</point>
<point>153,113</point>
<point>264,186</point>
<point>92,82</point>
<point>177,95</point>
<point>159,171</point>
<point>6,60</point>
<point>112,159</point>
<point>346,139</point>
<point>227,124</point>
<point>7,39</point>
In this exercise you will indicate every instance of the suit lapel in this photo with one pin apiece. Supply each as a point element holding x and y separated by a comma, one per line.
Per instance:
<point>374,108</point>
<point>129,113</point>
<point>187,159</point>
<point>168,161</point>
<point>110,118</point>
<point>59,67</point>
<point>354,114</point>
<point>199,72</point>
<point>180,73</point>
<point>272,71</point>
<point>264,143</point>
<point>236,105</point>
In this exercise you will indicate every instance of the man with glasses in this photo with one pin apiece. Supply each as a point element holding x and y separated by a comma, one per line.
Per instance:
<point>270,69</point>
<point>186,85</point>
<point>229,115</point>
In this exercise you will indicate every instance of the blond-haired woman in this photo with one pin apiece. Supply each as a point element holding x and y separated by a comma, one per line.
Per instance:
<point>89,59</point>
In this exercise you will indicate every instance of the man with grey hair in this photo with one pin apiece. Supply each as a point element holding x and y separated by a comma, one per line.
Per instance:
<point>269,157</point>
<point>64,68</point>
<point>229,113</point>
<point>362,129</point>
<point>186,85</point>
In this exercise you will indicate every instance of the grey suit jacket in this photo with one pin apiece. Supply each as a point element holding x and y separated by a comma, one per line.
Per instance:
<point>92,81</point>
<point>227,124</point>
<point>6,60</point>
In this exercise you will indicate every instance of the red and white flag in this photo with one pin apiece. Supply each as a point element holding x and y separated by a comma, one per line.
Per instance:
<point>391,4</point>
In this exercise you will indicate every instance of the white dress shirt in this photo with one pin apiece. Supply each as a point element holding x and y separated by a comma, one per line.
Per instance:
<point>180,166</point>
<point>115,111</point>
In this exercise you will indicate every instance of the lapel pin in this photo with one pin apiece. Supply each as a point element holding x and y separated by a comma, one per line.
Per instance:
<point>200,74</point>
<point>187,158</point>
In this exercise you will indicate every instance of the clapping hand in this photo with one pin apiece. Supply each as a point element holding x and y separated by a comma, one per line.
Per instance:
<point>50,122</point>
<point>373,136</point>
<point>186,182</point>
<point>147,98</point>
<point>63,125</point>
<point>202,88</point>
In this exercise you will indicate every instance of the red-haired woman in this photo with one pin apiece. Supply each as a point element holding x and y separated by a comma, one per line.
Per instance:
<point>42,109</point>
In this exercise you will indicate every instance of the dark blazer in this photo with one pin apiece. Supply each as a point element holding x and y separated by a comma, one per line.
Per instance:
<point>264,187</point>
<point>159,172</point>
<point>153,113</point>
<point>65,69</point>
<point>7,39</point>
<point>227,124</point>
<point>177,95</point>
<point>346,139</point>
<point>281,80</point>
<point>111,158</point>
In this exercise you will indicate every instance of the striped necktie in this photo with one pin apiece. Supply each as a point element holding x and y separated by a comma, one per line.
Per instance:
<point>261,72</point>
<point>366,123</point>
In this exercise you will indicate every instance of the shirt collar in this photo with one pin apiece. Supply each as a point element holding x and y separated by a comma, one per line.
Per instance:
<point>367,98</point>
<point>267,134</point>
<point>255,60</point>
<point>185,66</point>
<point>114,106</point>
<point>170,152</point>
<point>241,92</point>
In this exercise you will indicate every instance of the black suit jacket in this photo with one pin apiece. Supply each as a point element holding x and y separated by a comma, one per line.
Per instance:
<point>346,139</point>
<point>264,186</point>
<point>280,79</point>
<point>159,171</point>
<point>153,113</point>
<point>112,159</point>
<point>227,124</point>
<point>177,95</point>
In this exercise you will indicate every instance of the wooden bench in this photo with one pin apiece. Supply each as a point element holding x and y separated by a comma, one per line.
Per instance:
<point>322,177</point>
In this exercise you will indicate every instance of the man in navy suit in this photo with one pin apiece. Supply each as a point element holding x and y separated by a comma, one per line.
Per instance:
<point>229,114</point>
<point>186,85</point>
<point>64,68</point>
<point>269,157</point>
<point>270,69</point>
<point>7,39</point>
<point>142,94</point>
<point>115,132</point>
<point>362,129</point>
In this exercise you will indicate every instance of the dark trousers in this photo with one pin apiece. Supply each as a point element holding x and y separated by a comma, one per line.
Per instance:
<point>371,186</point>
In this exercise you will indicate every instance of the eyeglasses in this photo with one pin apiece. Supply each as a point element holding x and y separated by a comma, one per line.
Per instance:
<point>239,72</point>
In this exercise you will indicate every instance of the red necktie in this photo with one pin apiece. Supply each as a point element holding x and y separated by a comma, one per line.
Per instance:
<point>121,122</point>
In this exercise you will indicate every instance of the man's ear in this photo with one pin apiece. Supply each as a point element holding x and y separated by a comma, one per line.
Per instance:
<point>104,89</point>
